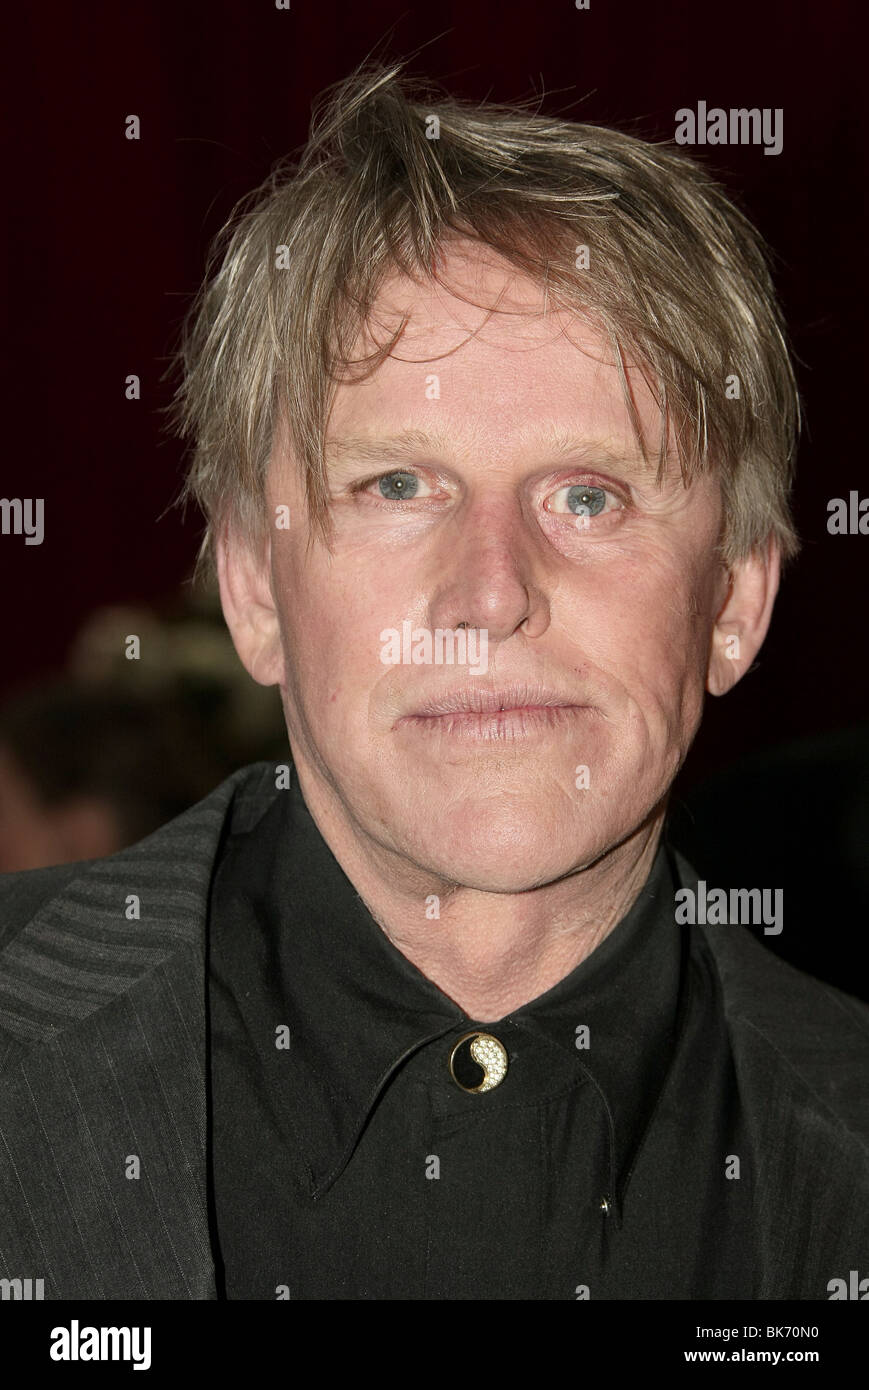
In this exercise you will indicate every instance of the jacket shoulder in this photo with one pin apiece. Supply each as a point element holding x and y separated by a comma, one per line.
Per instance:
<point>790,1033</point>
<point>794,1009</point>
<point>68,943</point>
<point>23,894</point>
<point>791,1030</point>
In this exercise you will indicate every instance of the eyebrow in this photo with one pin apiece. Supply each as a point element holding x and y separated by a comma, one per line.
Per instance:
<point>394,448</point>
<point>410,444</point>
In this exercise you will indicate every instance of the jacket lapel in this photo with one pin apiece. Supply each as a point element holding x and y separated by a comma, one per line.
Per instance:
<point>103,1104</point>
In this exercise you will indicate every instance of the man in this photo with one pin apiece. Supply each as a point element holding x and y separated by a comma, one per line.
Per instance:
<point>494,425</point>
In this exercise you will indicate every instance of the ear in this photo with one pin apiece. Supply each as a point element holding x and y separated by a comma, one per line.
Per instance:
<point>244,576</point>
<point>744,618</point>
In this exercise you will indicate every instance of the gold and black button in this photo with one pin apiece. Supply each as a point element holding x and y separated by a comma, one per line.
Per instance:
<point>478,1062</point>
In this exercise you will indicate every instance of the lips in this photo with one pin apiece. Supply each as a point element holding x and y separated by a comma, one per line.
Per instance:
<point>477,699</point>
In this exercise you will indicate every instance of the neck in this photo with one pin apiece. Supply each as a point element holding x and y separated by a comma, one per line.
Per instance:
<point>490,953</point>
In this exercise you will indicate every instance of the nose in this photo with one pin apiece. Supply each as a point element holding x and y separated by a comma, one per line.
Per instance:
<point>489,572</point>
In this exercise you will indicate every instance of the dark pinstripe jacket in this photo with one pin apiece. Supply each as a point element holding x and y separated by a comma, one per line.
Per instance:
<point>103,1062</point>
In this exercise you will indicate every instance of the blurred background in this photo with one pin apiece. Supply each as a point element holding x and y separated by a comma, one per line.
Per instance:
<point>108,239</point>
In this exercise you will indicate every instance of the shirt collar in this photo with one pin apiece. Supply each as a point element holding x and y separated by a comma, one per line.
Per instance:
<point>311,956</point>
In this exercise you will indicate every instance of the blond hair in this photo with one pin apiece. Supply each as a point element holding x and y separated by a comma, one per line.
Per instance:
<point>678,279</point>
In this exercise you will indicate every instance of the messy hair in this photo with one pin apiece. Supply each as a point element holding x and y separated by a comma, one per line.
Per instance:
<point>677,280</point>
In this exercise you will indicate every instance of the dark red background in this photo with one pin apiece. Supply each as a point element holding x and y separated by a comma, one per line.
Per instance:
<point>109,238</point>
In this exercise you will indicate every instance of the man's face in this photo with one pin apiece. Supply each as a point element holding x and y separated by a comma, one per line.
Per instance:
<point>491,458</point>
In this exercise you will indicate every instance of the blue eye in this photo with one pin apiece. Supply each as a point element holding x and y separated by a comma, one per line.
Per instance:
<point>586,501</point>
<point>395,486</point>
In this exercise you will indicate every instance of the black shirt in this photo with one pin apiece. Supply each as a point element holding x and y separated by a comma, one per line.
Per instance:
<point>348,1163</point>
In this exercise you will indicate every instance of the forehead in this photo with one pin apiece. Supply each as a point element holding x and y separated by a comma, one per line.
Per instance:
<point>485,356</point>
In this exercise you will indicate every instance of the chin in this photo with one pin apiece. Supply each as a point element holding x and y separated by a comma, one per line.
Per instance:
<point>520,875</point>
<point>500,859</point>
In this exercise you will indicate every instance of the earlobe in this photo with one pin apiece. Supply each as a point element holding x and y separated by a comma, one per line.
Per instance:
<point>743,620</point>
<point>244,577</point>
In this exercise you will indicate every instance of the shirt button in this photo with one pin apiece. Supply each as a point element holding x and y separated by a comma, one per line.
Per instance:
<point>478,1063</point>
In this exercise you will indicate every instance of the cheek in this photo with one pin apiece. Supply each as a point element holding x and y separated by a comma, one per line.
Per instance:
<point>651,618</point>
<point>330,628</point>
<point>673,637</point>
